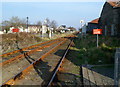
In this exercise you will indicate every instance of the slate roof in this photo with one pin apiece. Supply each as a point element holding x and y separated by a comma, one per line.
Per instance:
<point>114,3</point>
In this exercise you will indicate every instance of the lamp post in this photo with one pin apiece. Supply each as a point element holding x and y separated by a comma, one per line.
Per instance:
<point>81,21</point>
<point>27,24</point>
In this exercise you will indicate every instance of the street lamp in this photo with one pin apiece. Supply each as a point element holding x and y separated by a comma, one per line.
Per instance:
<point>81,21</point>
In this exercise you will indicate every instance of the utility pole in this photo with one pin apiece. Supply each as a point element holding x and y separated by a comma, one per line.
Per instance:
<point>27,24</point>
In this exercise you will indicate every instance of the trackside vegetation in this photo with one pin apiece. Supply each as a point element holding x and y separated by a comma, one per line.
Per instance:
<point>88,53</point>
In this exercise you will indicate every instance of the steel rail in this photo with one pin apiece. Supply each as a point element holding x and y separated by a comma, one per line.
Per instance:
<point>16,51</point>
<point>12,80</point>
<point>28,53</point>
<point>59,65</point>
<point>10,53</point>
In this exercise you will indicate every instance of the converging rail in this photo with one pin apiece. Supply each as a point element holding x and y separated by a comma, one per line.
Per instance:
<point>13,52</point>
<point>58,67</point>
<point>28,53</point>
<point>23,72</point>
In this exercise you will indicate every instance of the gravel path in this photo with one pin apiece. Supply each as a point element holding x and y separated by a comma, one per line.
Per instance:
<point>70,76</point>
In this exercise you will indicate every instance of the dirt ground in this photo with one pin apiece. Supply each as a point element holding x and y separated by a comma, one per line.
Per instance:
<point>10,42</point>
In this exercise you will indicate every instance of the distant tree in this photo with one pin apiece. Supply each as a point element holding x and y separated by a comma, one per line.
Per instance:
<point>16,22</point>
<point>39,23</point>
<point>23,22</point>
<point>53,24</point>
<point>0,26</point>
<point>6,25</point>
<point>47,21</point>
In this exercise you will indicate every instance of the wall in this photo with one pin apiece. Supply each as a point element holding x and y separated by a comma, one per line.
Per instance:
<point>110,20</point>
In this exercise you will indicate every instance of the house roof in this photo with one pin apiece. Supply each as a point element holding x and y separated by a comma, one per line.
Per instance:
<point>114,3</point>
<point>95,21</point>
<point>33,25</point>
<point>72,28</point>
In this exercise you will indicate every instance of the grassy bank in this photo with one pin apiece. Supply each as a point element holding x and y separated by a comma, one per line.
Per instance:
<point>87,52</point>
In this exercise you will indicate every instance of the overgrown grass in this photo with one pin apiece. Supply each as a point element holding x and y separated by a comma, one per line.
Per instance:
<point>88,51</point>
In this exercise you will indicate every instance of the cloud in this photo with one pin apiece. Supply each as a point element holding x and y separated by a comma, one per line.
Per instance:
<point>53,0</point>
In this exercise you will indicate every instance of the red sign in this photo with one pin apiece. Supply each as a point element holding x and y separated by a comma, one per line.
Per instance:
<point>97,31</point>
<point>15,30</point>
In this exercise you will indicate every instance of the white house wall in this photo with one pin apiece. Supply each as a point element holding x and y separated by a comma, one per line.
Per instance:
<point>44,29</point>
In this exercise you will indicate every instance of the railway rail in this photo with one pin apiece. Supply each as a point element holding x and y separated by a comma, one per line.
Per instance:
<point>24,71</point>
<point>17,53</point>
<point>27,53</point>
<point>58,67</point>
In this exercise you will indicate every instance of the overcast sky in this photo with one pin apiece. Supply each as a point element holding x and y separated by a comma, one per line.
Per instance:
<point>68,13</point>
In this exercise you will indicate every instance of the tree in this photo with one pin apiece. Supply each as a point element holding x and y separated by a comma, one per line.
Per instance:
<point>47,21</point>
<point>39,23</point>
<point>6,25</point>
<point>0,26</point>
<point>53,24</point>
<point>16,22</point>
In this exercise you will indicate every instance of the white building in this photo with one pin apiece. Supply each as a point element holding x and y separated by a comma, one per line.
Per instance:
<point>44,28</point>
<point>33,28</point>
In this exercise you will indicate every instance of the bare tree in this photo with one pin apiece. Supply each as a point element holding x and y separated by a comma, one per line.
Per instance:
<point>16,22</point>
<point>53,24</point>
<point>47,21</point>
<point>0,26</point>
<point>5,25</point>
<point>39,23</point>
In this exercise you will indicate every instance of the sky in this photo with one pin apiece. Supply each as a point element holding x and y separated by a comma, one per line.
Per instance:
<point>64,12</point>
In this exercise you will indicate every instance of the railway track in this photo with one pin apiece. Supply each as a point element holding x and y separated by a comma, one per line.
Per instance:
<point>8,57</point>
<point>28,62</point>
<point>58,67</point>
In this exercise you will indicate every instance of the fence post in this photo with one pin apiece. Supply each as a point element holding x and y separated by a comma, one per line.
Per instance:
<point>117,68</point>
